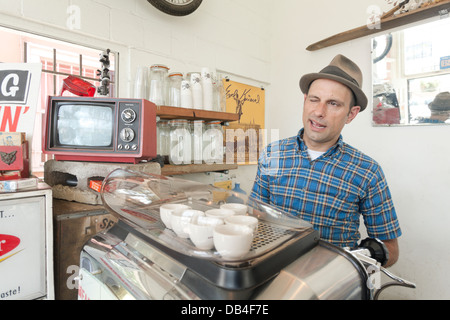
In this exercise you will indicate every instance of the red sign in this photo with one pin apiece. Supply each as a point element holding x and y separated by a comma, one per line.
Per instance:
<point>8,243</point>
<point>19,96</point>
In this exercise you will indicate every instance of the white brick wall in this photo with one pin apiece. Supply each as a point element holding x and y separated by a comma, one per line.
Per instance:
<point>229,35</point>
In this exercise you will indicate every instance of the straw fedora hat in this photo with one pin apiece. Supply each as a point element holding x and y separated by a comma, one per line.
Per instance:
<point>343,70</point>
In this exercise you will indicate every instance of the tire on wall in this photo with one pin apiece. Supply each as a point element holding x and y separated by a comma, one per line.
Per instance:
<point>168,7</point>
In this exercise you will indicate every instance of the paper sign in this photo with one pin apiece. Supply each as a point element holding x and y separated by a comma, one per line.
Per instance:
<point>19,93</point>
<point>247,101</point>
<point>243,138</point>
<point>22,248</point>
<point>445,62</point>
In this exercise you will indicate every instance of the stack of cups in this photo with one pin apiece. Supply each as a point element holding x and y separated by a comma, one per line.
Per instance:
<point>197,91</point>
<point>186,94</point>
<point>205,90</point>
<point>207,87</point>
<point>141,87</point>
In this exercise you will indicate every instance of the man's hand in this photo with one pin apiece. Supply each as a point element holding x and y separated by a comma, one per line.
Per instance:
<point>392,246</point>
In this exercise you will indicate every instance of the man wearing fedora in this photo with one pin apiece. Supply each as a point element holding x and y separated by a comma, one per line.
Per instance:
<point>318,177</point>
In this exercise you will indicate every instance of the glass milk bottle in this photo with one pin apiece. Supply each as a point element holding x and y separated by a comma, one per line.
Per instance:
<point>158,84</point>
<point>198,128</point>
<point>141,88</point>
<point>180,142</point>
<point>175,80</point>
<point>163,139</point>
<point>213,143</point>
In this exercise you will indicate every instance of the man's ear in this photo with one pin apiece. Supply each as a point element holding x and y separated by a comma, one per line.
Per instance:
<point>352,114</point>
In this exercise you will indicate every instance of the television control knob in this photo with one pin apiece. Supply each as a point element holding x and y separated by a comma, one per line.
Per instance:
<point>128,115</point>
<point>120,147</point>
<point>127,135</point>
<point>134,147</point>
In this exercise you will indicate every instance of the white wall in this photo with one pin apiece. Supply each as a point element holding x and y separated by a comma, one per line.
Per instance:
<point>228,36</point>
<point>264,41</point>
<point>415,159</point>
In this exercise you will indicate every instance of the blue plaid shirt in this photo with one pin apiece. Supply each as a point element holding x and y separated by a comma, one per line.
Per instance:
<point>330,192</point>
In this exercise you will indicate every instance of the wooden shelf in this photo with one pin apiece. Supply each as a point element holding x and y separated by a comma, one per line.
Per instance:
<point>165,112</point>
<point>387,23</point>
<point>168,113</point>
<point>170,170</point>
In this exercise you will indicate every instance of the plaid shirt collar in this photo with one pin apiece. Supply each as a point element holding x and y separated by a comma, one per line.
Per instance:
<point>334,151</point>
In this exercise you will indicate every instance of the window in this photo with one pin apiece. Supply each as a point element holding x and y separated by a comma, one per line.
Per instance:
<point>411,76</point>
<point>59,59</point>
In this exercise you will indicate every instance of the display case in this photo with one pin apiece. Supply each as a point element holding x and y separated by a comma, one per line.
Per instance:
<point>26,244</point>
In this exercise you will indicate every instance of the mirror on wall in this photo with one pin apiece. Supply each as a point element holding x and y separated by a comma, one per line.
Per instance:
<point>411,76</point>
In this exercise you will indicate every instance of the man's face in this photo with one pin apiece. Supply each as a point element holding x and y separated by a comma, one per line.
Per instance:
<point>325,113</point>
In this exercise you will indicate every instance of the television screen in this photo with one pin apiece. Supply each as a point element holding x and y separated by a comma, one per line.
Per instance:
<point>85,125</point>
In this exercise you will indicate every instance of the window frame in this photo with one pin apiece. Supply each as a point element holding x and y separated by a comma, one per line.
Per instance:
<point>37,158</point>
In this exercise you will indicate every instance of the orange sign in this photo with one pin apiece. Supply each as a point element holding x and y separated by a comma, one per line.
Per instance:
<point>247,101</point>
<point>244,137</point>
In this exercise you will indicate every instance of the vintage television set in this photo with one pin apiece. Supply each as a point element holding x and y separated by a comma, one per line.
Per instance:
<point>99,129</point>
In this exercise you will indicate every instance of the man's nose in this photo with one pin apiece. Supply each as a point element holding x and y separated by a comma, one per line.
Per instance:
<point>321,109</point>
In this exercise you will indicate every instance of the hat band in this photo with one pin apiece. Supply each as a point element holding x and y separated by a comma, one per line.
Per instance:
<point>338,72</point>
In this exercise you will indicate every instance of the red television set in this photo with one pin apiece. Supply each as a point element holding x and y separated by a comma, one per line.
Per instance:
<point>100,129</point>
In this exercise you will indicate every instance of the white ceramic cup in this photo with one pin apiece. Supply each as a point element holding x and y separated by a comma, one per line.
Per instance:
<point>236,207</point>
<point>232,241</point>
<point>201,231</point>
<point>219,213</point>
<point>181,219</point>
<point>249,221</point>
<point>166,210</point>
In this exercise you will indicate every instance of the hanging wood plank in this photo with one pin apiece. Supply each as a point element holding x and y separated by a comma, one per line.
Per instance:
<point>387,23</point>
